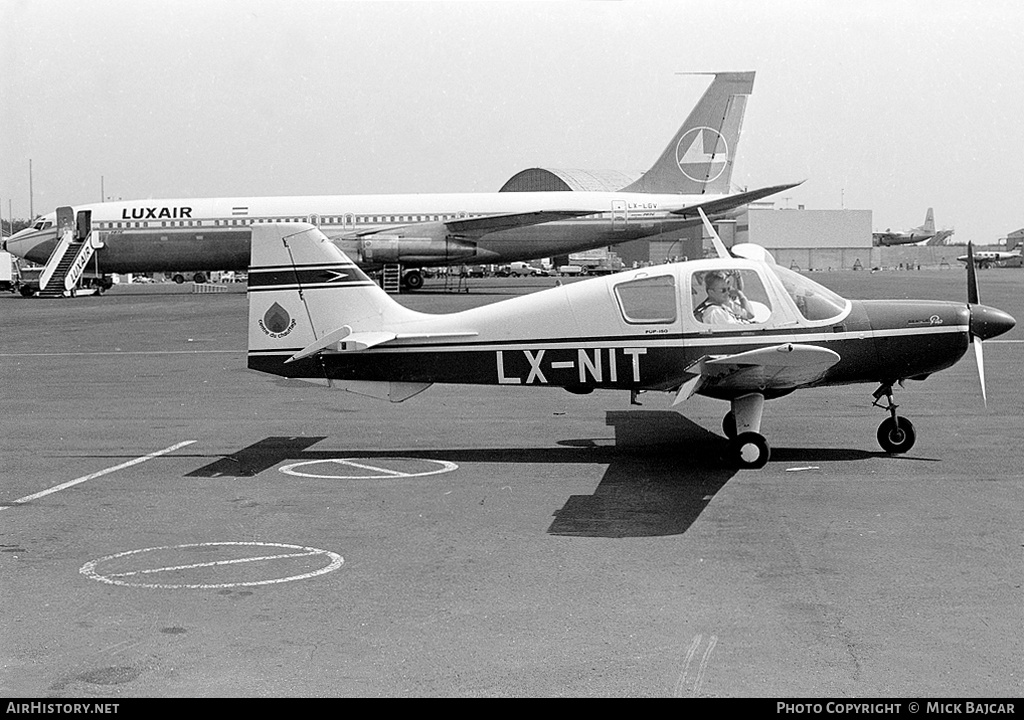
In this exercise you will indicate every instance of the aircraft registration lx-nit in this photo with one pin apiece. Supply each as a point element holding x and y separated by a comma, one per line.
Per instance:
<point>314,315</point>
<point>418,230</point>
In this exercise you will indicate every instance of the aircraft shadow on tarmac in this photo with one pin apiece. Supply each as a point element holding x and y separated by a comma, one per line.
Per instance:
<point>662,470</point>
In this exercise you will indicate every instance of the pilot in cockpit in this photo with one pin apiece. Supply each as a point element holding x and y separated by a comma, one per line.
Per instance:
<point>725,304</point>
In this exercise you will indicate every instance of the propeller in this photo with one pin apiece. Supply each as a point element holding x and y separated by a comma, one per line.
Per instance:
<point>985,322</point>
<point>972,300</point>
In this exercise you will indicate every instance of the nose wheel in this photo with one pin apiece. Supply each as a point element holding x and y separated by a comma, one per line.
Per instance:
<point>896,434</point>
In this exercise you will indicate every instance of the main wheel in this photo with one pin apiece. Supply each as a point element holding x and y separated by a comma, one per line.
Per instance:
<point>729,425</point>
<point>413,280</point>
<point>751,450</point>
<point>896,435</point>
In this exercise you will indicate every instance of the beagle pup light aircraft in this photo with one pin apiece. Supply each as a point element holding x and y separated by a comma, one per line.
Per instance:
<point>314,315</point>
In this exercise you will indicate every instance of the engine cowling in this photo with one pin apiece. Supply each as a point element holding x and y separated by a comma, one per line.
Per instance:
<point>382,249</point>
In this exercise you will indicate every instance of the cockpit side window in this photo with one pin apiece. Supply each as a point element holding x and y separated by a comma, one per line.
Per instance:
<point>730,297</point>
<point>648,300</point>
<point>815,302</point>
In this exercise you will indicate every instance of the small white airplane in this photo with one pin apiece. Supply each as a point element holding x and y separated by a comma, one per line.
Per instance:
<point>914,235</point>
<point>738,327</point>
<point>987,258</point>
<point>420,230</point>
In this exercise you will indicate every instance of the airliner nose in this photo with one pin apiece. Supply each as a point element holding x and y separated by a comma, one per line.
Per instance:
<point>21,242</point>
<point>988,322</point>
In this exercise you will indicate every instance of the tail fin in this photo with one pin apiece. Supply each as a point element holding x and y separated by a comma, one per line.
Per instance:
<point>700,157</point>
<point>929,221</point>
<point>303,290</point>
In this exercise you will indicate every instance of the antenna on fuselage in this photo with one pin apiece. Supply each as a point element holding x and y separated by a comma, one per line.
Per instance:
<point>720,248</point>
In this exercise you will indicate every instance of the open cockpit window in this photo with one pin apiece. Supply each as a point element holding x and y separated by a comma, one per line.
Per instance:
<point>729,297</point>
<point>815,302</point>
<point>648,300</point>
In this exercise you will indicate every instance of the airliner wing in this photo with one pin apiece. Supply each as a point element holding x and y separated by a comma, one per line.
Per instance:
<point>728,202</point>
<point>477,227</point>
<point>780,367</point>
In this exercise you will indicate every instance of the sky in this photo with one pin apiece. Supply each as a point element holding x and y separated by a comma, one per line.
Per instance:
<point>891,106</point>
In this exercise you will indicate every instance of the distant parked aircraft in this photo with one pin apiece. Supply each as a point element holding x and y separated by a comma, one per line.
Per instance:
<point>914,235</point>
<point>986,258</point>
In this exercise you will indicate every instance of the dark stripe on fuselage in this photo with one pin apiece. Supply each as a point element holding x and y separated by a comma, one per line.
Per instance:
<point>331,276</point>
<point>607,367</point>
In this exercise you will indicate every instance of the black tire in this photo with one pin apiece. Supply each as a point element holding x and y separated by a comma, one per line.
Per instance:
<point>896,435</point>
<point>751,450</point>
<point>179,279</point>
<point>729,425</point>
<point>199,278</point>
<point>413,280</point>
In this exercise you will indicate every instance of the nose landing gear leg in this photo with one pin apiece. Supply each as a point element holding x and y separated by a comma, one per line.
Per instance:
<point>895,434</point>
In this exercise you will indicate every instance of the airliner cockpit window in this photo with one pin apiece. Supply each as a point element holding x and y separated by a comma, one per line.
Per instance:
<point>648,300</point>
<point>815,302</point>
<point>729,297</point>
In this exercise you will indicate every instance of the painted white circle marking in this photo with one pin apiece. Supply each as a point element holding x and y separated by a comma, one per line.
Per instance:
<point>124,569</point>
<point>370,469</point>
<point>691,152</point>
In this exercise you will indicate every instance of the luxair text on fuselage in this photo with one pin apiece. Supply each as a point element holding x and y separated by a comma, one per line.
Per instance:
<point>153,213</point>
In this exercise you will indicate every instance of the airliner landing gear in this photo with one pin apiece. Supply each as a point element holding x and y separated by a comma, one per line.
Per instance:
<point>895,434</point>
<point>742,426</point>
<point>413,280</point>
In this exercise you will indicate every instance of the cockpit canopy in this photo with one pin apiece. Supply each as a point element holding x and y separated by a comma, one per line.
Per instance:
<point>725,295</point>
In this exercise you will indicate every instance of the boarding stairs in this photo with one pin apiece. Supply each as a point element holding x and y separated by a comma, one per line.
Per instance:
<point>75,247</point>
<point>392,279</point>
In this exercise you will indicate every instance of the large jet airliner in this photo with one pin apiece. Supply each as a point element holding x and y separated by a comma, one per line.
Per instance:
<point>418,230</point>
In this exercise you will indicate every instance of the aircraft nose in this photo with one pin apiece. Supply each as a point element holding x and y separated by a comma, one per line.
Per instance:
<point>21,242</point>
<point>988,322</point>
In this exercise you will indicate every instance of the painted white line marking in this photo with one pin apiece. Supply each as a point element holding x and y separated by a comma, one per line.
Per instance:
<point>90,571</point>
<point>214,564</point>
<point>128,352</point>
<point>699,680</point>
<point>703,666</point>
<point>84,478</point>
<point>387,471</point>
<point>382,472</point>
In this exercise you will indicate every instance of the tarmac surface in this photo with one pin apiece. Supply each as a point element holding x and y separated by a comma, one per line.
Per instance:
<point>175,525</point>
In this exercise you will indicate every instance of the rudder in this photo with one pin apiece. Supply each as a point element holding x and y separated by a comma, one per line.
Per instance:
<point>302,287</point>
<point>699,159</point>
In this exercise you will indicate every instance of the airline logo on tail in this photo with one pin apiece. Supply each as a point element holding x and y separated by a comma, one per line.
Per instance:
<point>702,154</point>
<point>277,322</point>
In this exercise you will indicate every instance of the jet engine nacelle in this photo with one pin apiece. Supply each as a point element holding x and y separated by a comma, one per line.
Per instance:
<point>383,249</point>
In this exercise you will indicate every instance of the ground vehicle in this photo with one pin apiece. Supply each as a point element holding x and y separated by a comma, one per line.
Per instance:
<point>10,277</point>
<point>571,270</point>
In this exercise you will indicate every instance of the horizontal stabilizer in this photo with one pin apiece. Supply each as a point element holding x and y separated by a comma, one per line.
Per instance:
<point>721,204</point>
<point>344,340</point>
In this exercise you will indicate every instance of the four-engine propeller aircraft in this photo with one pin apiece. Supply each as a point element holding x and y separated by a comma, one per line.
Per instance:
<point>419,230</point>
<point>738,327</point>
<point>914,235</point>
